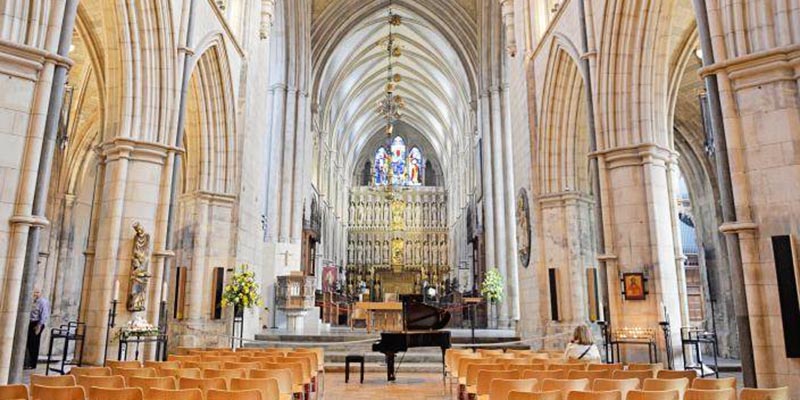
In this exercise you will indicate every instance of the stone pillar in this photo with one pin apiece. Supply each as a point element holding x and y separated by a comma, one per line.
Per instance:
<point>499,192</point>
<point>638,220</point>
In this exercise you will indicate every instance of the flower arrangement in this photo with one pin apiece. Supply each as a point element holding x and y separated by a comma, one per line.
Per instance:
<point>243,291</point>
<point>492,286</point>
<point>138,326</point>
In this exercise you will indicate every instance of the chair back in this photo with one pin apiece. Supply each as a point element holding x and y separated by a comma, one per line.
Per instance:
<point>283,376</point>
<point>202,365</point>
<point>178,373</point>
<point>490,352</point>
<point>551,395</point>
<point>653,395</point>
<point>174,357</point>
<point>604,367</point>
<point>691,375</point>
<point>305,364</point>
<point>666,384</point>
<point>464,362</point>
<point>540,376</point>
<point>710,394</point>
<point>164,382</point>
<point>295,368</point>
<point>215,394</point>
<point>567,367</point>
<point>13,392</point>
<point>590,375</point>
<point>565,385</point>
<point>54,380</point>
<point>267,386</point>
<point>158,365</point>
<point>485,378</point>
<point>39,392</point>
<point>622,385</point>
<point>242,365</point>
<point>781,393</point>
<point>645,367</point>
<point>131,393</point>
<point>141,372</point>
<point>180,394</point>
<point>123,364</point>
<point>220,359</point>
<point>204,384</point>
<point>501,388</point>
<point>527,367</point>
<point>90,371</point>
<point>474,369</point>
<point>227,374</point>
<point>88,381</point>
<point>591,395</point>
<point>640,375</point>
<point>714,383</point>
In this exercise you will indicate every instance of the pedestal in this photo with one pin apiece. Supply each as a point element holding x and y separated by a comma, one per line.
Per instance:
<point>295,320</point>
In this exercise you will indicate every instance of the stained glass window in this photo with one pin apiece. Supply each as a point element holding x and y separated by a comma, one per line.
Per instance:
<point>407,167</point>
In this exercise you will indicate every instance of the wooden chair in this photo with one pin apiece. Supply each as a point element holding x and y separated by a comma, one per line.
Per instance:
<point>204,384</point>
<point>540,376</point>
<point>139,372</point>
<point>501,388</point>
<point>490,352</point>
<point>215,394</point>
<point>781,393</point>
<point>565,385</point>
<point>459,360</point>
<point>241,365</point>
<point>645,367</point>
<point>227,374</point>
<point>691,375</point>
<point>714,383</point>
<point>567,367</point>
<point>202,365</point>
<point>621,385</point>
<point>551,395</point>
<point>653,395</point>
<point>267,386</point>
<point>164,382</point>
<point>527,367</point>
<point>282,376</point>
<point>640,375</point>
<point>178,373</point>
<point>134,393</point>
<point>472,374</point>
<point>604,367</point>
<point>184,358</point>
<point>486,377</point>
<point>158,365</point>
<point>55,380</point>
<point>39,392</point>
<point>122,364</point>
<point>180,394</point>
<point>111,382</point>
<point>14,392</point>
<point>591,395</point>
<point>666,384</point>
<point>590,375</point>
<point>90,371</point>
<point>296,370</point>
<point>710,394</point>
<point>221,359</point>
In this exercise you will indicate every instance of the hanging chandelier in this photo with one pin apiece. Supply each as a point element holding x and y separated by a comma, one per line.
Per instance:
<point>391,106</point>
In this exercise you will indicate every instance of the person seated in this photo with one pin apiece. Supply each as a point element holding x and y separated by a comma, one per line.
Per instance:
<point>582,346</point>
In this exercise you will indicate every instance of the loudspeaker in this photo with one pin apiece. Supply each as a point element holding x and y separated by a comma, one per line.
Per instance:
<point>786,274</point>
<point>551,272</point>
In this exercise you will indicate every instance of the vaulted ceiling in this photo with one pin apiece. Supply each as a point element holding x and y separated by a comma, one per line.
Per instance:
<point>438,68</point>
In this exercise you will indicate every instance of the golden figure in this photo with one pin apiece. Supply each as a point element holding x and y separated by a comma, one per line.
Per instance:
<point>398,215</point>
<point>139,274</point>
<point>397,251</point>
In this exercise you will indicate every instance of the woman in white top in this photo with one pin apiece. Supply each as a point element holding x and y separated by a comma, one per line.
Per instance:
<point>582,347</point>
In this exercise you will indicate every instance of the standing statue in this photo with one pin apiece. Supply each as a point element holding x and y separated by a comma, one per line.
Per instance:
<point>139,274</point>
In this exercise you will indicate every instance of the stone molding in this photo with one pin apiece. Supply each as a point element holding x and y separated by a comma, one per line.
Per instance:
<point>135,150</point>
<point>760,68</point>
<point>25,62</point>
<point>210,197</point>
<point>30,220</point>
<point>636,155</point>
<point>559,199</point>
<point>735,227</point>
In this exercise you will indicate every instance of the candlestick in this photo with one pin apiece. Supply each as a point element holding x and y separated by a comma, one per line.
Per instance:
<point>115,296</point>
<point>602,315</point>
<point>164,292</point>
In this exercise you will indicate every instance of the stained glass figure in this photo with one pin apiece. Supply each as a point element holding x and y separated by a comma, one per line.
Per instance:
<point>398,150</point>
<point>381,167</point>
<point>415,167</point>
<point>407,167</point>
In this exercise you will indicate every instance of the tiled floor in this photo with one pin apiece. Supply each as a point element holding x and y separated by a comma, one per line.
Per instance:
<point>409,386</point>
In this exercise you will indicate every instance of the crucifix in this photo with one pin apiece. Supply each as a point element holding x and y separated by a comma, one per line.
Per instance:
<point>285,255</point>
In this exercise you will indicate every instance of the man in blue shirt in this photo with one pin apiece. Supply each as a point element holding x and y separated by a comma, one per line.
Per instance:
<point>40,315</point>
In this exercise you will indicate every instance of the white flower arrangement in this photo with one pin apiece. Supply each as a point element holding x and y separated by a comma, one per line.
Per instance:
<point>138,326</point>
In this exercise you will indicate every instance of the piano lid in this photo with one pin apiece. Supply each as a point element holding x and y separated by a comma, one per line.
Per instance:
<point>420,317</point>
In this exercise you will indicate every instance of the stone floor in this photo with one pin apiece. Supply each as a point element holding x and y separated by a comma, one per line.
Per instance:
<point>427,386</point>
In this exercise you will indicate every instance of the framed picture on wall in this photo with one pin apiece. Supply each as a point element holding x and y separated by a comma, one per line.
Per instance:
<point>633,286</point>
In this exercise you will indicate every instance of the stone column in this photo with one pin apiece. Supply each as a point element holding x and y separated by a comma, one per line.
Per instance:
<point>499,193</point>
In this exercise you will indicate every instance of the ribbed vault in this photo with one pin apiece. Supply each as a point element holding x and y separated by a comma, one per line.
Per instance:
<point>437,67</point>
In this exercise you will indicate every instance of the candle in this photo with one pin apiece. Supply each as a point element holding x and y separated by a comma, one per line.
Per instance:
<point>115,297</point>
<point>602,315</point>
<point>164,292</point>
<point>662,312</point>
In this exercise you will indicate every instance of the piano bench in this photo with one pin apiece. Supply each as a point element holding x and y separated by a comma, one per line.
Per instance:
<point>353,359</point>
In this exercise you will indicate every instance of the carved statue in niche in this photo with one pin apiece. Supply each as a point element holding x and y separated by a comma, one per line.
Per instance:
<point>398,214</point>
<point>368,252</point>
<point>523,228</point>
<point>397,251</point>
<point>386,252</point>
<point>139,275</point>
<point>351,215</point>
<point>350,258</point>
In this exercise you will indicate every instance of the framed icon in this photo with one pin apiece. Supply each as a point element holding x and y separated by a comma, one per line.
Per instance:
<point>634,286</point>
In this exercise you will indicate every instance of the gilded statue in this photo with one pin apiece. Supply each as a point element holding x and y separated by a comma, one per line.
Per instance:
<point>398,214</point>
<point>397,251</point>
<point>139,275</point>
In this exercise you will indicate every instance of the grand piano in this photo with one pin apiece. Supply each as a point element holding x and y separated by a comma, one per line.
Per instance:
<point>422,326</point>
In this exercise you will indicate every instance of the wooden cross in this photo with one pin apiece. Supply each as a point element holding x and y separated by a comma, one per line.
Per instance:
<point>286,255</point>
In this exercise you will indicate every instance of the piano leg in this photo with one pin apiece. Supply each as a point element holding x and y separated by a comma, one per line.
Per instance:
<point>390,367</point>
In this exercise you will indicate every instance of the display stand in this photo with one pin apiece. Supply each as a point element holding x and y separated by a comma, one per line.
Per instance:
<point>112,320</point>
<point>237,329</point>
<point>694,337</point>
<point>138,340</point>
<point>73,332</point>
<point>667,330</point>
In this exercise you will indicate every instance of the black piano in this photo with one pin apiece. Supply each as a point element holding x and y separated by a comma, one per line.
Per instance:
<point>422,324</point>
